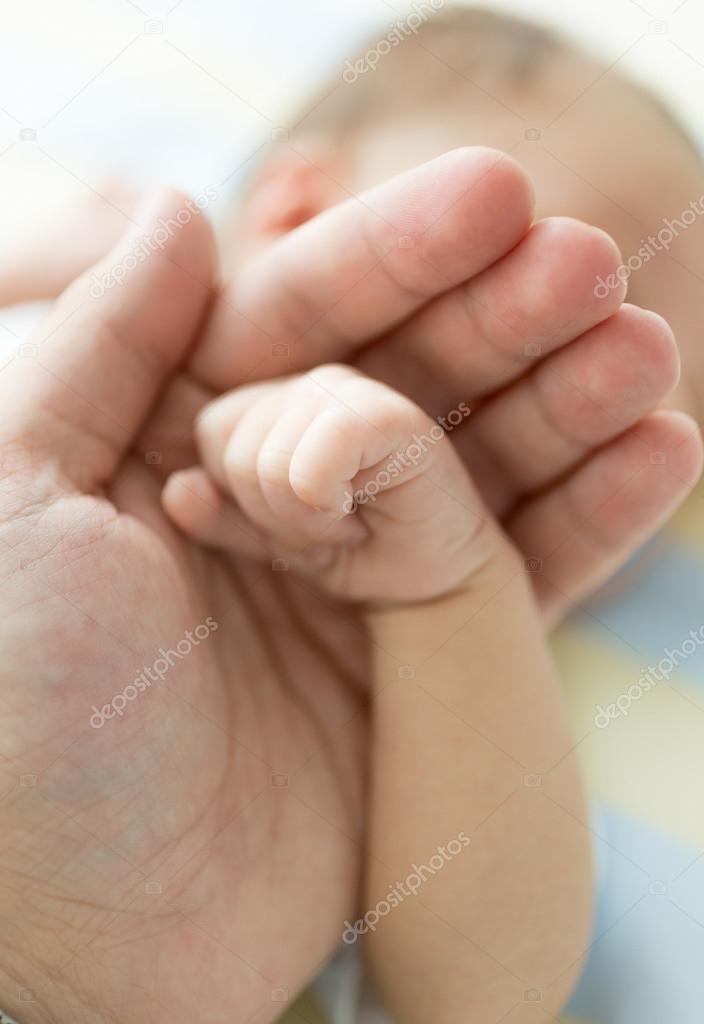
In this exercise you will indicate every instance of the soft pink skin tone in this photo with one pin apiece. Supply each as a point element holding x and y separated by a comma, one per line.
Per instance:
<point>284,463</point>
<point>293,454</point>
<point>365,493</point>
<point>57,231</point>
<point>167,875</point>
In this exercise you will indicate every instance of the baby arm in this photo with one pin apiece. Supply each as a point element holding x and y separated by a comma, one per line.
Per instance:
<point>476,811</point>
<point>360,490</point>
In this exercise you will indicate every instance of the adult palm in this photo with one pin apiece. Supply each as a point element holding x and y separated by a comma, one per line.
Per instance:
<point>181,836</point>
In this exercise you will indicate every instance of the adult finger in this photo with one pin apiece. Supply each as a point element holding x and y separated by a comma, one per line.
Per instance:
<point>478,337</point>
<point>364,266</point>
<point>80,389</point>
<point>577,400</point>
<point>576,535</point>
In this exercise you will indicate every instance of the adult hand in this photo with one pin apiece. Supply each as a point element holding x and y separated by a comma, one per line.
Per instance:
<point>196,854</point>
<point>437,283</point>
<point>155,863</point>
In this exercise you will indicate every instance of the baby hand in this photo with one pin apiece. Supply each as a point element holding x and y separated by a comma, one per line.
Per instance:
<point>345,477</point>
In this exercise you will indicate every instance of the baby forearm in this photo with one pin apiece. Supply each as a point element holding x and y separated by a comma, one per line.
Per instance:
<point>472,742</point>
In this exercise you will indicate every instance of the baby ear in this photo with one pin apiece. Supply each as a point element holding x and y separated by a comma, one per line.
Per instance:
<point>298,181</point>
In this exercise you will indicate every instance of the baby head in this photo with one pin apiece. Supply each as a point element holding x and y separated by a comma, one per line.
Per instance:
<point>597,146</point>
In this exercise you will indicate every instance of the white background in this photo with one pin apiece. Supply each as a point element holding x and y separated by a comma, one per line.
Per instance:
<point>195,97</point>
<point>188,92</point>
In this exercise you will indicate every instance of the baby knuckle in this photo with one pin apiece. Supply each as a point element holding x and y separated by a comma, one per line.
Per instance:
<point>331,375</point>
<point>240,461</point>
<point>206,423</point>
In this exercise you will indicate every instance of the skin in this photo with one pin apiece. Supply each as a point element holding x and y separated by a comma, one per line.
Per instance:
<point>459,741</point>
<point>582,169</point>
<point>437,582</point>
<point>247,443</point>
<point>630,183</point>
<point>148,849</point>
<point>293,454</point>
<point>628,174</point>
<point>544,289</point>
<point>54,229</point>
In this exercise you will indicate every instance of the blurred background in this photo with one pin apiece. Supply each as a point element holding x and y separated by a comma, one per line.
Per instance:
<point>185,91</point>
<point>189,92</point>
